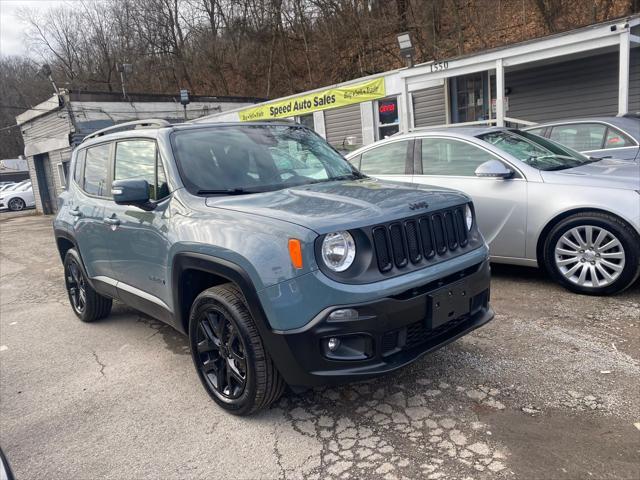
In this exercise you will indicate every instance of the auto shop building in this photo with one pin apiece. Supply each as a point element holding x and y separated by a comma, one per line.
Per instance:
<point>593,70</point>
<point>53,128</point>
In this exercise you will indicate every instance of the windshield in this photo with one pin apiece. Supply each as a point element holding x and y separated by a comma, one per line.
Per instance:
<point>536,151</point>
<point>236,159</point>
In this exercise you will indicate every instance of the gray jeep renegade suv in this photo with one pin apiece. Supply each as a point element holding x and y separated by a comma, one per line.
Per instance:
<point>282,263</point>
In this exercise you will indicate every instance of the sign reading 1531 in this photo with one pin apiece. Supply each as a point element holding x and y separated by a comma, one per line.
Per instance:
<point>438,66</point>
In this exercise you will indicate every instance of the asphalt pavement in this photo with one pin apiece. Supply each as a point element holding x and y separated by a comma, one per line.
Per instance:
<point>549,389</point>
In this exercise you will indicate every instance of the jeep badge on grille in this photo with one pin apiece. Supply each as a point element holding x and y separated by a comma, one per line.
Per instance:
<point>418,205</point>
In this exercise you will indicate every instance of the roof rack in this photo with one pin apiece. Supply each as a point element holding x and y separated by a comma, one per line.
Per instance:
<point>148,123</point>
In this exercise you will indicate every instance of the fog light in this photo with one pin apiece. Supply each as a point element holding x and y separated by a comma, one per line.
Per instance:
<point>343,315</point>
<point>333,343</point>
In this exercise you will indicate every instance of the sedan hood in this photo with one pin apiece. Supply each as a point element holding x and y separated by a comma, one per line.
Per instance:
<point>607,173</point>
<point>331,206</point>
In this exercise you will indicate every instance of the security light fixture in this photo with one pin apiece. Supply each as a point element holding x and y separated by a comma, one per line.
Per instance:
<point>45,71</point>
<point>406,48</point>
<point>184,100</point>
<point>184,97</point>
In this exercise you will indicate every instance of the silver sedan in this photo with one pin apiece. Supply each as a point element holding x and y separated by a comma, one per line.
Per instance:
<point>538,203</point>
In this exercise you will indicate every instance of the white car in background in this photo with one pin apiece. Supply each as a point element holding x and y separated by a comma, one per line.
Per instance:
<point>18,198</point>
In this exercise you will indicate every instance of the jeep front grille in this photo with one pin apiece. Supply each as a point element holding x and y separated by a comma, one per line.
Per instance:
<point>419,239</point>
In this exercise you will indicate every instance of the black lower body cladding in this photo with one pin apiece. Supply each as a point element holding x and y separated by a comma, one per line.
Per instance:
<point>388,334</point>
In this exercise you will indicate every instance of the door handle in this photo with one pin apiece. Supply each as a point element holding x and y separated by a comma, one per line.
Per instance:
<point>75,212</point>
<point>113,220</point>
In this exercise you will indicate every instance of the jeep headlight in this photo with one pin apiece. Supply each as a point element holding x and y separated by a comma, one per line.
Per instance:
<point>468,217</point>
<point>338,251</point>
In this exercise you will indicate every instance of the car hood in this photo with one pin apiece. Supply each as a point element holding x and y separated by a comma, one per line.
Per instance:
<point>608,173</point>
<point>331,206</point>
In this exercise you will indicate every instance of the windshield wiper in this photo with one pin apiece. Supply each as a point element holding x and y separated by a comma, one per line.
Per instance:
<point>224,191</point>
<point>349,176</point>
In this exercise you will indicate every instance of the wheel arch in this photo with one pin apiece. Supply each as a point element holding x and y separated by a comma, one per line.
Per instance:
<point>223,271</point>
<point>64,242</point>
<point>566,214</point>
<point>192,273</point>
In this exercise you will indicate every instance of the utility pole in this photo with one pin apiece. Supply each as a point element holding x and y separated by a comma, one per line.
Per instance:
<point>124,69</point>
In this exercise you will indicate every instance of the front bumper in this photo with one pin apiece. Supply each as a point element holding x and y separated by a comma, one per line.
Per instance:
<point>390,333</point>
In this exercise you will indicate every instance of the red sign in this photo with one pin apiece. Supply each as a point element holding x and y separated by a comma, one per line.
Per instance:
<point>387,108</point>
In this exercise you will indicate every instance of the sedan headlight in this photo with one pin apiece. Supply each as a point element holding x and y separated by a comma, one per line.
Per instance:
<point>338,251</point>
<point>468,217</point>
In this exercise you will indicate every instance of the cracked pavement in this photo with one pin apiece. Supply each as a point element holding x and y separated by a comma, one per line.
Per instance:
<point>549,389</point>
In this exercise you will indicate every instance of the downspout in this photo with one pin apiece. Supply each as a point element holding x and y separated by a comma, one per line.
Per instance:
<point>623,74</point>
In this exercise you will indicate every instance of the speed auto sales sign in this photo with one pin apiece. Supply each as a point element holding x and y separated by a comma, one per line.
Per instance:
<point>313,102</point>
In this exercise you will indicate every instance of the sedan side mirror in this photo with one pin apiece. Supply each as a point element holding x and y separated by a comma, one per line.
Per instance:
<point>132,192</point>
<point>493,168</point>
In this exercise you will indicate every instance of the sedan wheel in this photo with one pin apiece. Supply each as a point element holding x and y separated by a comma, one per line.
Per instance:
<point>592,253</point>
<point>590,256</point>
<point>16,204</point>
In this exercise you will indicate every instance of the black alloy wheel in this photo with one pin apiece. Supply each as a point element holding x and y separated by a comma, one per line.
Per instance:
<point>228,353</point>
<point>76,287</point>
<point>87,304</point>
<point>221,354</point>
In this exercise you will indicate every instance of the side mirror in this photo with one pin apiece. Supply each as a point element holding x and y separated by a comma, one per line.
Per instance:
<point>493,168</point>
<point>132,192</point>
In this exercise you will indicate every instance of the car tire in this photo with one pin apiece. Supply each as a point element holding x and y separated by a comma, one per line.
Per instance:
<point>87,304</point>
<point>16,204</point>
<point>593,253</point>
<point>228,352</point>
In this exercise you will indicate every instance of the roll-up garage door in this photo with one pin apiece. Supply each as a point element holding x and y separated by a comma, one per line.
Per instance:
<point>343,122</point>
<point>429,107</point>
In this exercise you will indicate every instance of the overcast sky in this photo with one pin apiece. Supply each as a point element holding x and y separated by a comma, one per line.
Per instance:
<point>12,30</point>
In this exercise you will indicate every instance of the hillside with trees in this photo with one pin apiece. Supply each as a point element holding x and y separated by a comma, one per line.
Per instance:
<point>263,48</point>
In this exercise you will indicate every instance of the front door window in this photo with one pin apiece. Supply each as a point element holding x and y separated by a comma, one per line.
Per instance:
<point>448,157</point>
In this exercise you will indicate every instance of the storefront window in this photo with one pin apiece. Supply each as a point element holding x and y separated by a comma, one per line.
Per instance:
<point>469,98</point>
<point>388,118</point>
<point>306,120</point>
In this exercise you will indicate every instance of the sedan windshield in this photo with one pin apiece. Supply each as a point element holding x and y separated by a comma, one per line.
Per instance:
<point>239,159</point>
<point>536,151</point>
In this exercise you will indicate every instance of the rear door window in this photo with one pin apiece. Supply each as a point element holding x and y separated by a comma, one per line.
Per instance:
<point>96,170</point>
<point>388,159</point>
<point>580,136</point>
